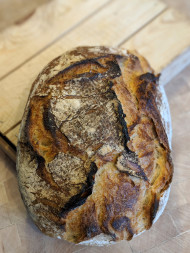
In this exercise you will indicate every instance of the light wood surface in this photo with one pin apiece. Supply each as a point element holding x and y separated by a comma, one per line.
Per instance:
<point>47,24</point>
<point>145,24</point>
<point>16,11</point>
<point>7,148</point>
<point>13,134</point>
<point>181,5</point>
<point>169,54</point>
<point>88,33</point>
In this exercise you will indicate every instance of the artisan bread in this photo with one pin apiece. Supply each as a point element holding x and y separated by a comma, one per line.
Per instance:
<point>94,164</point>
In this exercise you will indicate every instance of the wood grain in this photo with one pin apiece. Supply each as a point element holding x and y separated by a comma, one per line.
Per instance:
<point>180,243</point>
<point>15,11</point>
<point>3,196</point>
<point>106,28</point>
<point>48,23</point>
<point>167,24</point>
<point>7,245</point>
<point>165,43</point>
<point>180,5</point>
<point>7,148</point>
<point>4,217</point>
<point>13,134</point>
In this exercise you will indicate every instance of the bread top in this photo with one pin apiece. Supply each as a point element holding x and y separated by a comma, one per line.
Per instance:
<point>93,154</point>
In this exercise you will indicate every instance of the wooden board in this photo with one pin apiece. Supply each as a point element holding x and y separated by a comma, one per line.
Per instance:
<point>49,23</point>
<point>110,26</point>
<point>18,11</point>
<point>159,33</point>
<point>13,134</point>
<point>165,42</point>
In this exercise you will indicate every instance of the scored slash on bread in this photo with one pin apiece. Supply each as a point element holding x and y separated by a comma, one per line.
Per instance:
<point>93,154</point>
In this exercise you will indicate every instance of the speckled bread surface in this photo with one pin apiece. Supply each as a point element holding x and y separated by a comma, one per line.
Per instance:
<point>93,154</point>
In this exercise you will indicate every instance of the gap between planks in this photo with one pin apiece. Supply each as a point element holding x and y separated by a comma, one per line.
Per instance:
<point>11,128</point>
<point>8,147</point>
<point>133,34</point>
<point>65,33</point>
<point>171,54</point>
<point>112,21</point>
<point>131,37</point>
<point>80,22</point>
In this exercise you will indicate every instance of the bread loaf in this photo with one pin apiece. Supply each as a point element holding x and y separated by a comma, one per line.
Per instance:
<point>93,160</point>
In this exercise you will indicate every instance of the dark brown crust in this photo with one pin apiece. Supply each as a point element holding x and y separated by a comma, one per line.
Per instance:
<point>147,103</point>
<point>154,209</point>
<point>100,151</point>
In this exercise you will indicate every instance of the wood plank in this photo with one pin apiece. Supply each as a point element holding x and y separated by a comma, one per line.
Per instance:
<point>180,5</point>
<point>14,11</point>
<point>180,243</point>
<point>7,148</point>
<point>48,23</point>
<point>165,43</point>
<point>109,27</point>
<point>7,245</point>
<point>175,66</point>
<point>13,135</point>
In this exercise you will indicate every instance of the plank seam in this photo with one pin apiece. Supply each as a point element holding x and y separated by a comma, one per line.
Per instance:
<point>8,147</point>
<point>81,22</point>
<point>11,128</point>
<point>57,39</point>
<point>142,27</point>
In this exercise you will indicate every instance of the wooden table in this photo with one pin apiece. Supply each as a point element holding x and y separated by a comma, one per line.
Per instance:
<point>159,33</point>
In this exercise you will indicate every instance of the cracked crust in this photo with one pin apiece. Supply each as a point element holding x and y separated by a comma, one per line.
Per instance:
<point>93,155</point>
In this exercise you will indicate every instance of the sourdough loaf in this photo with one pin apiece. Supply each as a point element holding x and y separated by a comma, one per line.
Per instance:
<point>93,160</point>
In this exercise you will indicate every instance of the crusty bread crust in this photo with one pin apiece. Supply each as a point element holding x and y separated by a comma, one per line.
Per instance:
<point>163,106</point>
<point>93,153</point>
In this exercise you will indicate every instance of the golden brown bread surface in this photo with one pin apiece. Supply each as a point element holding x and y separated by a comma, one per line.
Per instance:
<point>93,154</point>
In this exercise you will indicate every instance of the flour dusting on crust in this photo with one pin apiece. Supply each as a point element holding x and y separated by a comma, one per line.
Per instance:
<point>96,126</point>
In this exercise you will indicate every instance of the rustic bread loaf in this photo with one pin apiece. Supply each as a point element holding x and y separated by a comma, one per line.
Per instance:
<point>93,154</point>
